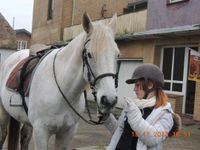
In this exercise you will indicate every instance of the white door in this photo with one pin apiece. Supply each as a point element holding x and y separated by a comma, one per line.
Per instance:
<point>126,70</point>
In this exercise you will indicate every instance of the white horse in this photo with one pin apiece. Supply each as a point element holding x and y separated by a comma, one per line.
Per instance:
<point>63,74</point>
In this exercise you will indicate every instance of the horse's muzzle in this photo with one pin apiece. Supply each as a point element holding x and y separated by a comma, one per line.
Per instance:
<point>108,103</point>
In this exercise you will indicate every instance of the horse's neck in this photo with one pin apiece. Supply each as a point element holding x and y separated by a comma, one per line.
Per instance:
<point>70,72</point>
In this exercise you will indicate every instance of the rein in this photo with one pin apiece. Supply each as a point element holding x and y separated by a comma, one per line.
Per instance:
<point>92,85</point>
<point>63,95</point>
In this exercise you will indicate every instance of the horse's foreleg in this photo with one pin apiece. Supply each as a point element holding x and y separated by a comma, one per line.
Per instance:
<point>4,119</point>
<point>63,138</point>
<point>26,134</point>
<point>40,136</point>
<point>3,132</point>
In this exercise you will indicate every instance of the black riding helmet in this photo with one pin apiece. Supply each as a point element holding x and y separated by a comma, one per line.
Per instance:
<point>148,72</point>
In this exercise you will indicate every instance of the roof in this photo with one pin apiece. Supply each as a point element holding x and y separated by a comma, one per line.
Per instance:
<point>159,33</point>
<point>7,34</point>
<point>23,31</point>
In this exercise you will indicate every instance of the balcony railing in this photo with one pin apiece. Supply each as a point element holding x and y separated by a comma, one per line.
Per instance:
<point>129,23</point>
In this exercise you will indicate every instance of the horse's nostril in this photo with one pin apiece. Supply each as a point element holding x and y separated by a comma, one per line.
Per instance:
<point>114,102</point>
<point>106,102</point>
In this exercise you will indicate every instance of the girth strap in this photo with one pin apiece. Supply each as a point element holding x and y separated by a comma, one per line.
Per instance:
<point>21,85</point>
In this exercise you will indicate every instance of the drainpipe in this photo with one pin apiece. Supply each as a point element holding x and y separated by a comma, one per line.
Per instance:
<point>73,10</point>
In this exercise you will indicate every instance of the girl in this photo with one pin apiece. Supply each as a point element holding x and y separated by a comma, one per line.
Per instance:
<point>147,120</point>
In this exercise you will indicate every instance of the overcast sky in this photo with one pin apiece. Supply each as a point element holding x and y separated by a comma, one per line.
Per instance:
<point>21,10</point>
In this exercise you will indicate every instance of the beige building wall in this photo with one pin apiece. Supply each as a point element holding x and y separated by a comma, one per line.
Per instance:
<point>140,49</point>
<point>67,13</point>
<point>94,8</point>
<point>43,30</point>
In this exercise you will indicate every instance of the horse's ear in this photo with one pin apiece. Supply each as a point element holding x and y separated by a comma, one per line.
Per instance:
<point>87,24</point>
<point>113,23</point>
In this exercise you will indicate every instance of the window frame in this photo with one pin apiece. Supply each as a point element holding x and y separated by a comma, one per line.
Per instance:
<point>171,2</point>
<point>185,69</point>
<point>136,6</point>
<point>185,76</point>
<point>21,45</point>
<point>50,9</point>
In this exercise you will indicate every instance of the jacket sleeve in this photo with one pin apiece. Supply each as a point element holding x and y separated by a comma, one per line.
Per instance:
<point>112,123</point>
<point>117,133</point>
<point>150,135</point>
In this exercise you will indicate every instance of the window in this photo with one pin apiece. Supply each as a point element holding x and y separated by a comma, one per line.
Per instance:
<point>173,68</point>
<point>50,9</point>
<point>137,6</point>
<point>21,45</point>
<point>175,1</point>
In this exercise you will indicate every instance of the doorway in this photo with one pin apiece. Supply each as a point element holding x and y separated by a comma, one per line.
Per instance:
<point>190,89</point>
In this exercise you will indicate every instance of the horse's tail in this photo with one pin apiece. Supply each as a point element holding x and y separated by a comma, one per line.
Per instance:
<point>13,135</point>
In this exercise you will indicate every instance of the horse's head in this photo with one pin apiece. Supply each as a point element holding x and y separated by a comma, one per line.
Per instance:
<point>100,61</point>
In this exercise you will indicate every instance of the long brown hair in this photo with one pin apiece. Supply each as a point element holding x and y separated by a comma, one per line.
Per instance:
<point>161,96</point>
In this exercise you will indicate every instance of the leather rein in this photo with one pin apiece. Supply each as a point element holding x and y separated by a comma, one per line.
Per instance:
<point>90,74</point>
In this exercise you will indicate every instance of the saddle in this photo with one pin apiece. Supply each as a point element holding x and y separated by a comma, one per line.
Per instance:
<point>19,78</point>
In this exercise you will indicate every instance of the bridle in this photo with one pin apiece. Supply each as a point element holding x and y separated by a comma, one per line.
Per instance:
<point>90,74</point>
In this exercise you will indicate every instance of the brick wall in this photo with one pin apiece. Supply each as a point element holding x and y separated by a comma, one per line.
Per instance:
<point>177,103</point>
<point>24,37</point>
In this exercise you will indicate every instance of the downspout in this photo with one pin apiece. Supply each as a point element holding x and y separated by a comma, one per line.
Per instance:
<point>73,10</point>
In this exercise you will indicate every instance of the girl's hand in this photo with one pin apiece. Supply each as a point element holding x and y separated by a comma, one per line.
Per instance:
<point>130,105</point>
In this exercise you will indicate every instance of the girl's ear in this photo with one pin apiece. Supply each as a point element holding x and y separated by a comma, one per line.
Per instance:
<point>150,84</point>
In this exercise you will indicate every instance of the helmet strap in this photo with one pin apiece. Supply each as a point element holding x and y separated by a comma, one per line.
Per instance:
<point>146,90</point>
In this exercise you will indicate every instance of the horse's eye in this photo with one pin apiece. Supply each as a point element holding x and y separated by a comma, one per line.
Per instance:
<point>89,55</point>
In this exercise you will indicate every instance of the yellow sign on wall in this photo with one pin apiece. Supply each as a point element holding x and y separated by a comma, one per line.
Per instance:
<point>194,66</point>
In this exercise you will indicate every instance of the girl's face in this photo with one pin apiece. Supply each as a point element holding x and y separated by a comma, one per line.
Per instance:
<point>139,90</point>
